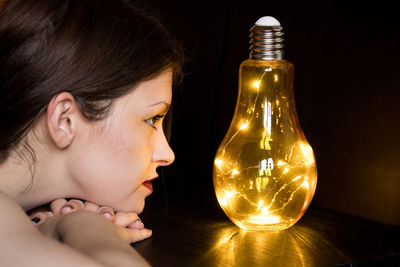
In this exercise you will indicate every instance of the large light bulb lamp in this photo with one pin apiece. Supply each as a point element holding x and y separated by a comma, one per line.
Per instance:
<point>264,170</point>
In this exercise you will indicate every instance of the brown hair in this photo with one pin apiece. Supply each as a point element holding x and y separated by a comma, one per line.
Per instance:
<point>97,50</point>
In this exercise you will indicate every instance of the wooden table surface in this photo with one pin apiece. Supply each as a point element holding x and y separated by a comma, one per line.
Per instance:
<point>191,230</point>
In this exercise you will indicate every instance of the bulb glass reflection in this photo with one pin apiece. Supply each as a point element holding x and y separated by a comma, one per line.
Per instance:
<point>264,170</point>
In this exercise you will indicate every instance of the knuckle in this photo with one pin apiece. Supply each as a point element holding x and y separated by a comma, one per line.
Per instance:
<point>76,203</point>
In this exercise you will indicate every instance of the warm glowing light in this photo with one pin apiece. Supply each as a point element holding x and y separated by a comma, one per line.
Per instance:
<point>305,184</point>
<point>264,142</point>
<point>285,170</point>
<point>262,182</point>
<point>267,123</point>
<point>264,217</point>
<point>225,238</point>
<point>256,84</point>
<point>270,164</point>
<point>308,153</point>
<point>265,211</point>
<point>280,163</point>
<point>235,172</point>
<point>227,196</point>
<point>222,201</point>
<point>267,118</point>
<point>264,169</point>
<point>296,178</point>
<point>218,163</point>
<point>243,125</point>
<point>260,203</point>
<point>266,165</point>
<point>258,184</point>
<point>263,166</point>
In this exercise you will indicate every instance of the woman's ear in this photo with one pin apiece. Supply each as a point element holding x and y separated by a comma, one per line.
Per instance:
<point>63,116</point>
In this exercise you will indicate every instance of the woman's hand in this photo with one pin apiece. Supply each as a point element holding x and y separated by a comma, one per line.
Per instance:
<point>130,228</point>
<point>86,239</point>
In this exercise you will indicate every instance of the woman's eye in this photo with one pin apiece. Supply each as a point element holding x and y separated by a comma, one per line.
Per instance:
<point>152,121</point>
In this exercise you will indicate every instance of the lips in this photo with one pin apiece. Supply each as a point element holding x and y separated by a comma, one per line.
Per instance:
<point>148,183</point>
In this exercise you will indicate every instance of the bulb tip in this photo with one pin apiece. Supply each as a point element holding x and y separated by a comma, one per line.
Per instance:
<point>267,21</point>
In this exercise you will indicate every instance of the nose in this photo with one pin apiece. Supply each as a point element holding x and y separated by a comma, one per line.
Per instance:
<point>163,154</point>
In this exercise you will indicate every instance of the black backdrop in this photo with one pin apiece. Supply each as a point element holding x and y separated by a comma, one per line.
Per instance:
<point>346,85</point>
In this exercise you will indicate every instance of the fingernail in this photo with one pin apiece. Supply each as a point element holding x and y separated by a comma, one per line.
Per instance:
<point>77,203</point>
<point>66,209</point>
<point>108,216</point>
<point>138,224</point>
<point>36,220</point>
<point>108,213</point>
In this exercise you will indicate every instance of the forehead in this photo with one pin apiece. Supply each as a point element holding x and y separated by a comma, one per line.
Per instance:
<point>149,93</point>
<point>156,90</point>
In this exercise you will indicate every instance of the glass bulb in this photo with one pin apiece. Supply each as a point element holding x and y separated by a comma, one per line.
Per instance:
<point>264,170</point>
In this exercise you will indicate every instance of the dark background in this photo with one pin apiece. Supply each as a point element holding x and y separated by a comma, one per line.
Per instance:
<point>346,86</point>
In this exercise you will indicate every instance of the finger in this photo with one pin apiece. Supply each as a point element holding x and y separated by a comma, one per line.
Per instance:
<point>71,206</point>
<point>40,209</point>
<point>107,212</point>
<point>40,217</point>
<point>134,235</point>
<point>56,205</point>
<point>125,218</point>
<point>89,206</point>
<point>77,204</point>
<point>138,224</point>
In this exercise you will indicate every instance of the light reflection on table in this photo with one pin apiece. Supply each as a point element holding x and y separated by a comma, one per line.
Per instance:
<point>297,246</point>
<point>192,233</point>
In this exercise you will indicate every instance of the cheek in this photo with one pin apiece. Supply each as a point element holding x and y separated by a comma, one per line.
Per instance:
<point>111,168</point>
<point>137,141</point>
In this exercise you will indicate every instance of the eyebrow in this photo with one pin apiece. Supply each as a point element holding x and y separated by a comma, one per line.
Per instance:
<point>167,105</point>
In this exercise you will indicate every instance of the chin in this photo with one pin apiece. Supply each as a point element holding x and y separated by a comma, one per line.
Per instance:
<point>135,207</point>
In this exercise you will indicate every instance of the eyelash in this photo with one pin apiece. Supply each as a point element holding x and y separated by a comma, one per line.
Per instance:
<point>152,121</point>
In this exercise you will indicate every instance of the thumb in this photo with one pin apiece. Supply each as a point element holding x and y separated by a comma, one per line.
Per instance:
<point>134,235</point>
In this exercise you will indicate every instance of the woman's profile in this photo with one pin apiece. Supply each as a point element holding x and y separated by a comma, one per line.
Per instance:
<point>85,86</point>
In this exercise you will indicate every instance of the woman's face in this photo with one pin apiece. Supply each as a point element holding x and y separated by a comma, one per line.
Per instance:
<point>113,161</point>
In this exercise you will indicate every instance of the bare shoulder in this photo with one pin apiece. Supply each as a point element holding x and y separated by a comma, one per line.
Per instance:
<point>10,207</point>
<point>14,218</point>
<point>16,233</point>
